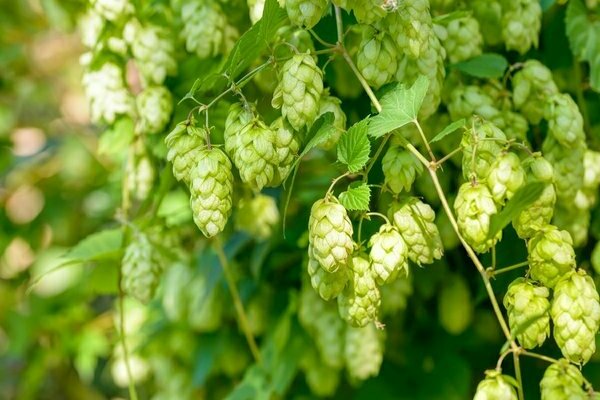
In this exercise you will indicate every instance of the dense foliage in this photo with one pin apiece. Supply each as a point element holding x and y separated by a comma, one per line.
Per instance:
<point>300,199</point>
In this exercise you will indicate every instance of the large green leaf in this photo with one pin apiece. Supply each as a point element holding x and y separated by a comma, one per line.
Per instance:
<point>354,147</point>
<point>488,65</point>
<point>400,106</point>
<point>357,197</point>
<point>448,130</point>
<point>98,246</point>
<point>583,32</point>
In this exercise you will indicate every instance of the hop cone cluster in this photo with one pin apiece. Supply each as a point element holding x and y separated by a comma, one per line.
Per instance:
<point>562,381</point>
<point>305,13</point>
<point>211,188</point>
<point>528,312</point>
<point>565,122</point>
<point>299,90</point>
<point>506,176</point>
<point>532,86</point>
<point>363,352</point>
<point>184,144</point>
<point>377,57</point>
<point>474,206</point>
<point>257,216</point>
<point>568,168</point>
<point>107,94</point>
<point>400,169</point>
<point>205,29</point>
<point>141,268</point>
<point>495,387</point>
<point>154,105</point>
<point>462,39</point>
<point>521,23</point>
<point>551,255</point>
<point>360,300</point>
<point>415,222</point>
<point>112,10</point>
<point>365,11</point>
<point>388,254</point>
<point>576,315</point>
<point>286,149</point>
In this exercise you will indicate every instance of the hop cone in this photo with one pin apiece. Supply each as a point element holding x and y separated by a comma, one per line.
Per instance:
<point>322,321</point>
<point>415,222</point>
<point>455,307</point>
<point>591,177</point>
<point>112,10</point>
<point>521,23</point>
<point>495,387</point>
<point>299,90</point>
<point>140,176</point>
<point>463,39</point>
<point>551,255</point>
<point>328,284</point>
<point>153,48</point>
<point>506,176</point>
<point>388,254</point>
<point>394,296</point>
<point>205,28</point>
<point>400,169</point>
<point>568,168</point>
<point>481,144</point>
<point>360,300</point>
<point>257,216</point>
<point>107,94</point>
<point>562,381</point>
<point>363,352</point>
<point>238,118</point>
<point>489,15</point>
<point>330,234</point>
<point>211,188</point>
<point>332,104</point>
<point>184,144</point>
<point>305,13</point>
<point>466,101</point>
<point>286,148</point>
<point>576,315</point>
<point>573,220</point>
<point>412,28</point>
<point>527,306</point>
<point>532,86</point>
<point>565,122</point>
<point>367,11</point>
<point>513,124</point>
<point>155,105</point>
<point>141,268</point>
<point>377,57</point>
<point>321,379</point>
<point>474,206</point>
<point>204,303</point>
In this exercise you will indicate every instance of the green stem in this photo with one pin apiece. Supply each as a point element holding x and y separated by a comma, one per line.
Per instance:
<point>237,301</point>
<point>361,79</point>
<point>335,181</point>
<point>318,38</point>
<point>424,138</point>
<point>517,366</point>
<point>375,157</point>
<point>448,156</point>
<point>539,356</point>
<point>493,272</point>
<point>339,25</point>
<point>494,257</point>
<point>376,214</point>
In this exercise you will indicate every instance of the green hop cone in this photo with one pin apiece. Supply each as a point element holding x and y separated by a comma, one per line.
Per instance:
<point>183,144</point>
<point>321,379</point>
<point>211,188</point>
<point>462,39</point>
<point>286,148</point>
<point>204,303</point>
<point>474,206</point>
<point>305,13</point>
<point>332,104</point>
<point>140,176</point>
<point>528,312</point>
<point>299,90</point>
<point>363,352</point>
<point>238,117</point>
<point>466,101</point>
<point>565,122</point>
<point>551,255</point>
<point>532,87</point>
<point>400,169</point>
<point>562,380</point>
<point>205,28</point>
<point>574,220</point>
<point>576,315</point>
<point>495,387</point>
<point>154,105</point>
<point>377,57</point>
<point>521,23</point>
<point>141,268</point>
<point>327,284</point>
<point>415,222</point>
<point>388,254</point>
<point>455,306</point>
<point>112,10</point>
<point>257,216</point>
<point>540,212</point>
<point>330,234</point>
<point>489,15</point>
<point>481,145</point>
<point>411,27</point>
<point>360,300</point>
<point>367,11</point>
<point>506,176</point>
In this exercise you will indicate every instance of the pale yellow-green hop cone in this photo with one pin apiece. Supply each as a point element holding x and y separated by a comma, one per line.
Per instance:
<point>389,254</point>
<point>540,212</point>
<point>286,147</point>
<point>532,86</point>
<point>377,57</point>
<point>141,268</point>
<point>466,101</point>
<point>411,27</point>
<point>528,309</point>
<point>360,300</point>
<point>463,39</point>
<point>183,144</point>
<point>305,13</point>
<point>237,118</point>
<point>482,143</point>
<point>363,352</point>
<point>204,24</point>
<point>365,11</point>
<point>521,23</point>
<point>154,105</point>
<point>475,206</point>
<point>561,381</point>
<point>495,387</point>
<point>257,216</point>
<point>551,255</point>
<point>211,188</point>
<point>576,315</point>
<point>327,284</point>
<point>565,122</point>
<point>415,222</point>
<point>455,305</point>
<point>400,169</point>
<point>506,176</point>
<point>333,105</point>
<point>298,92</point>
<point>322,380</point>
<point>330,234</point>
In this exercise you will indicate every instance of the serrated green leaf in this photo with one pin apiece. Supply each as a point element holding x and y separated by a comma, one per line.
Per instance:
<point>400,106</point>
<point>520,201</point>
<point>578,28</point>
<point>487,65</point>
<point>448,130</point>
<point>354,147</point>
<point>452,16</point>
<point>356,197</point>
<point>97,246</point>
